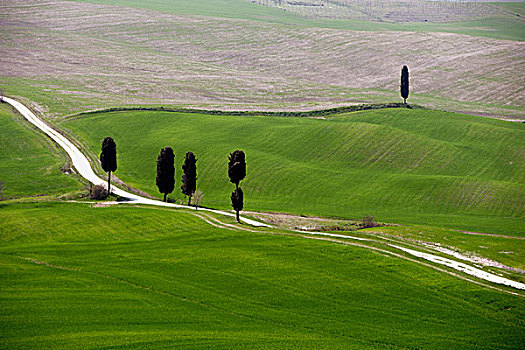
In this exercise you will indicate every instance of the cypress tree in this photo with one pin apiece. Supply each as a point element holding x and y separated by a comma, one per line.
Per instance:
<point>237,172</point>
<point>189,176</point>
<point>236,167</point>
<point>404,84</point>
<point>237,198</point>
<point>108,158</point>
<point>166,171</point>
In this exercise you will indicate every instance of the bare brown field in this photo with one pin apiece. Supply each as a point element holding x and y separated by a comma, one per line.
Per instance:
<point>78,56</point>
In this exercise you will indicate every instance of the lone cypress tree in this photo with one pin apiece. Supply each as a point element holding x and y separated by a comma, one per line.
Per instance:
<point>189,177</point>
<point>108,158</point>
<point>237,198</point>
<point>237,172</point>
<point>236,167</point>
<point>166,171</point>
<point>404,84</point>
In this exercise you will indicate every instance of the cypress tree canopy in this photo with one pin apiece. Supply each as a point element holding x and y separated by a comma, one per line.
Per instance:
<point>236,167</point>
<point>108,157</point>
<point>237,198</point>
<point>165,171</point>
<point>404,83</point>
<point>189,177</point>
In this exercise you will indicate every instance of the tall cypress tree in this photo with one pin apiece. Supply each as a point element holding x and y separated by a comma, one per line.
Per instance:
<point>236,167</point>
<point>236,173</point>
<point>237,198</point>
<point>404,84</point>
<point>166,171</point>
<point>108,158</point>
<point>189,176</point>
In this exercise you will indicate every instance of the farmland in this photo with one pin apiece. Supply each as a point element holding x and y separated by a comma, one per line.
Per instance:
<point>31,165</point>
<point>387,10</point>
<point>405,166</point>
<point>213,76</point>
<point>76,56</point>
<point>144,277</point>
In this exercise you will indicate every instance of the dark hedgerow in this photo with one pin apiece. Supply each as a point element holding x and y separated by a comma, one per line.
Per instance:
<point>316,113</point>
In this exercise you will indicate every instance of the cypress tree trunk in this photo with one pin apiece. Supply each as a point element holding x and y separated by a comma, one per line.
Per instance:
<point>165,194</point>
<point>109,183</point>
<point>189,201</point>
<point>237,215</point>
<point>405,101</point>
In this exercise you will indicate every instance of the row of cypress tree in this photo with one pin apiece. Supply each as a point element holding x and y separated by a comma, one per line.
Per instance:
<point>165,179</point>
<point>166,175</point>
<point>166,164</point>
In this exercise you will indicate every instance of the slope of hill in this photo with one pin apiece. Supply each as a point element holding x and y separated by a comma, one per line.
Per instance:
<point>405,166</point>
<point>150,278</point>
<point>30,164</point>
<point>496,20</point>
<point>76,56</point>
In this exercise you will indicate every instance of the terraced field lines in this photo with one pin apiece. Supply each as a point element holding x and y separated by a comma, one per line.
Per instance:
<point>363,162</point>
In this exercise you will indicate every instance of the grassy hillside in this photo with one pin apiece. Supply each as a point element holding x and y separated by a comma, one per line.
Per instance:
<point>406,166</point>
<point>79,277</point>
<point>30,164</point>
<point>515,8</point>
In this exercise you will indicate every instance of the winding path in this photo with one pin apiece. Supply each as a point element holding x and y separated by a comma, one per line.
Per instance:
<point>83,167</point>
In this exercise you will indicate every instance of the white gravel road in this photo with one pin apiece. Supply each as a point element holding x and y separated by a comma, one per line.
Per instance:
<point>83,167</point>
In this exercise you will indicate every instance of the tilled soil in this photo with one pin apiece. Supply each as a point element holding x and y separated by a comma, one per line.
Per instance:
<point>96,56</point>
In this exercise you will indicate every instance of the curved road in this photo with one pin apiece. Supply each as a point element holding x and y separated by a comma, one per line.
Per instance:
<point>82,165</point>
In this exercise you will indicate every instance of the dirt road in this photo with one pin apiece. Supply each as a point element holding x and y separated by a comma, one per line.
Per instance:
<point>83,167</point>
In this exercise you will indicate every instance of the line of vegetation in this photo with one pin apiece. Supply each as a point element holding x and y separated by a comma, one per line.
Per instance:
<point>304,114</point>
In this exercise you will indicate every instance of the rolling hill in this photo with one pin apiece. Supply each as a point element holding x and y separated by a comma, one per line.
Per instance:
<point>400,165</point>
<point>139,278</point>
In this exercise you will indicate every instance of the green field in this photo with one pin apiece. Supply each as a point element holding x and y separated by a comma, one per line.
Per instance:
<point>74,276</point>
<point>403,166</point>
<point>81,275</point>
<point>515,8</point>
<point>30,164</point>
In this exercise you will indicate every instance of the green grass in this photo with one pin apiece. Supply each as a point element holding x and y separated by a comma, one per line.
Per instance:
<point>405,166</point>
<point>500,27</point>
<point>79,277</point>
<point>517,8</point>
<point>30,164</point>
